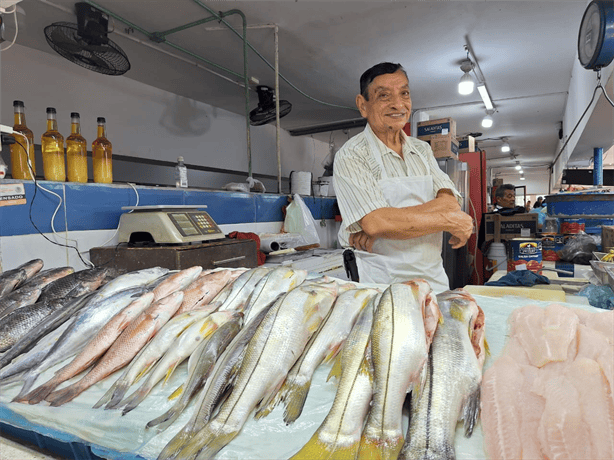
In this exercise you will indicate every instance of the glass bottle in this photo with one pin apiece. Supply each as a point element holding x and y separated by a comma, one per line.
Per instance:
<point>102,151</point>
<point>52,146</point>
<point>19,159</point>
<point>76,151</point>
<point>181,174</point>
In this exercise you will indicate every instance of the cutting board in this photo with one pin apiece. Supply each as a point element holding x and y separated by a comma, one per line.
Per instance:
<point>548,294</point>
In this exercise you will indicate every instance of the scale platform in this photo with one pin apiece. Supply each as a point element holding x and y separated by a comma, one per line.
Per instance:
<point>167,224</point>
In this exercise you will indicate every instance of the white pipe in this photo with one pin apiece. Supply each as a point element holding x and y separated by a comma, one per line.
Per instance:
<point>277,122</point>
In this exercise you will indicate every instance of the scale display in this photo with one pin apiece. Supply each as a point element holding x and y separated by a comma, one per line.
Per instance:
<point>165,224</point>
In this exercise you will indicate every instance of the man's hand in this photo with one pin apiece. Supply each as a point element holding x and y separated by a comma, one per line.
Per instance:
<point>361,241</point>
<point>461,228</point>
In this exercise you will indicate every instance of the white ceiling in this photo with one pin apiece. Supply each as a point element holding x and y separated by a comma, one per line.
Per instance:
<point>525,50</point>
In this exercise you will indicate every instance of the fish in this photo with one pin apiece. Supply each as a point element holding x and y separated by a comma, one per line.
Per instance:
<point>223,376</point>
<point>12,279</point>
<point>44,277</point>
<point>93,350</point>
<point>237,294</point>
<point>323,346</point>
<point>177,282</point>
<point>338,437</point>
<point>181,349</point>
<point>129,280</point>
<point>200,366</point>
<point>90,319</point>
<point>148,356</point>
<point>19,298</point>
<point>279,280</point>
<point>453,381</point>
<point>75,284</point>
<point>276,345</point>
<point>202,290</point>
<point>399,346</point>
<point>133,338</point>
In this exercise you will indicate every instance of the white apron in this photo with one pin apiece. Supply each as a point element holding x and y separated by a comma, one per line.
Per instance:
<point>394,261</point>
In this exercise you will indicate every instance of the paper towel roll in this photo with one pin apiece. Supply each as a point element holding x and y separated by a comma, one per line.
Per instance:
<point>300,182</point>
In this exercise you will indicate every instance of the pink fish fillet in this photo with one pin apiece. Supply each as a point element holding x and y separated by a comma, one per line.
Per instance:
<point>562,433</point>
<point>127,345</point>
<point>500,417</point>
<point>531,408</point>
<point>204,289</point>
<point>602,321</point>
<point>545,334</point>
<point>596,406</point>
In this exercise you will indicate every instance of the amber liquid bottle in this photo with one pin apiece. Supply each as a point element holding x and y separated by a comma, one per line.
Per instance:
<point>76,151</point>
<point>52,146</point>
<point>19,158</point>
<point>102,151</point>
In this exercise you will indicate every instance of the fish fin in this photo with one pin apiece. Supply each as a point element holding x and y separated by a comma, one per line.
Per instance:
<point>144,371</point>
<point>486,347</point>
<point>268,402</point>
<point>294,396</point>
<point>206,443</point>
<point>136,398</point>
<point>315,449</point>
<point>208,328</point>
<point>60,397</point>
<point>170,371</point>
<point>40,393</point>
<point>379,448</point>
<point>333,352</point>
<point>471,411</point>
<point>171,450</point>
<point>176,393</point>
<point>121,387</point>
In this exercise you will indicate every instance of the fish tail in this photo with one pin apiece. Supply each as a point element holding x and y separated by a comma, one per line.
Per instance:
<point>206,443</point>
<point>27,385</point>
<point>294,395</point>
<point>379,449</point>
<point>136,399</point>
<point>336,370</point>
<point>117,395</point>
<point>334,351</point>
<point>40,393</point>
<point>175,445</point>
<point>169,417</point>
<point>106,397</point>
<point>59,397</point>
<point>316,450</point>
<point>471,411</point>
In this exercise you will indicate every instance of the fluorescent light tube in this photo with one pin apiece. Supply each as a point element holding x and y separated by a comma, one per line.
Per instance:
<point>485,97</point>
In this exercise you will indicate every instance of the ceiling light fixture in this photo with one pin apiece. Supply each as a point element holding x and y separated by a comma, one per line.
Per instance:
<point>518,167</point>
<point>485,96</point>
<point>487,120</point>
<point>521,177</point>
<point>466,84</point>
<point>506,146</point>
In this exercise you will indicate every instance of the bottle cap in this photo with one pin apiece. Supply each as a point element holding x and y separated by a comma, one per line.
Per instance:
<point>74,115</point>
<point>179,158</point>
<point>100,120</point>
<point>18,104</point>
<point>50,110</point>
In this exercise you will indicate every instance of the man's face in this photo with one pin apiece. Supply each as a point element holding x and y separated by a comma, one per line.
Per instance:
<point>389,104</point>
<point>508,200</point>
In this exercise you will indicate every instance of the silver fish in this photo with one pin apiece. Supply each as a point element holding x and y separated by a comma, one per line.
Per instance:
<point>11,279</point>
<point>240,289</point>
<point>44,277</point>
<point>19,298</point>
<point>74,285</point>
<point>453,379</point>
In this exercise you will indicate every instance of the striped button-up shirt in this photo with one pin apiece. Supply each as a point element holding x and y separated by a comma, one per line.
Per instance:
<point>356,173</point>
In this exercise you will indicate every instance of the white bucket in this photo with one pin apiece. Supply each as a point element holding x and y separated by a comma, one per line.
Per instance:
<point>300,182</point>
<point>497,257</point>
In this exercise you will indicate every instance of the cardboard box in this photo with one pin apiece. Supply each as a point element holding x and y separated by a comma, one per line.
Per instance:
<point>429,128</point>
<point>444,146</point>
<point>511,226</point>
<point>607,237</point>
<point>466,144</point>
<point>497,182</point>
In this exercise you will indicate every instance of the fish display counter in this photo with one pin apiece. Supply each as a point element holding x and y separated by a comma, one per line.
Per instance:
<point>117,433</point>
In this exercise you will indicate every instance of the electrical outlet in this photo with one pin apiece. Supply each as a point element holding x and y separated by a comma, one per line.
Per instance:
<point>7,4</point>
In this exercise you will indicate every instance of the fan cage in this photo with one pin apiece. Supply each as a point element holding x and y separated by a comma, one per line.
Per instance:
<point>108,59</point>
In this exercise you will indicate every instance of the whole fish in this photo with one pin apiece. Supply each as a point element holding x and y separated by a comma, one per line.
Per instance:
<point>181,349</point>
<point>19,298</point>
<point>177,282</point>
<point>200,366</point>
<point>48,324</point>
<point>148,356</point>
<point>202,290</point>
<point>223,375</point>
<point>133,338</point>
<point>12,279</point>
<point>18,323</point>
<point>338,437</point>
<point>130,280</point>
<point>93,316</point>
<point>278,281</point>
<point>44,277</point>
<point>454,375</point>
<point>276,345</point>
<point>323,346</point>
<point>75,284</point>
<point>399,346</point>
<point>93,350</point>
<point>237,294</point>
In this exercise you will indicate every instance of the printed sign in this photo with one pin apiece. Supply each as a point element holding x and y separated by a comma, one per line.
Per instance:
<point>12,194</point>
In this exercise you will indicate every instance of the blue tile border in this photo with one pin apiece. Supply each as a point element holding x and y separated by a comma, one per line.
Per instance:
<point>98,206</point>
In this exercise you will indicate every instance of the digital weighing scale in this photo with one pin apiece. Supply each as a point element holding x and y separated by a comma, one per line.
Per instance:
<point>167,224</point>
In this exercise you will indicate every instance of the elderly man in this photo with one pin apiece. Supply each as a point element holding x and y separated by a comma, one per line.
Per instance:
<point>394,199</point>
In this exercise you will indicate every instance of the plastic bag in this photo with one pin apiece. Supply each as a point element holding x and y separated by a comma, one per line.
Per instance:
<point>599,296</point>
<point>578,249</point>
<point>299,220</point>
<point>250,184</point>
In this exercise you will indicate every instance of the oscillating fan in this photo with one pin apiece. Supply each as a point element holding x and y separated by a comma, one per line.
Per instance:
<point>86,43</point>
<point>265,112</point>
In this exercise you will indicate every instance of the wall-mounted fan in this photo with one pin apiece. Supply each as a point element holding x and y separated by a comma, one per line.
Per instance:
<point>86,43</point>
<point>265,112</point>
<point>596,36</point>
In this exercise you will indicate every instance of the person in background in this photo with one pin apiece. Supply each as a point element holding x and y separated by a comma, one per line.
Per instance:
<point>505,204</point>
<point>394,200</point>
<point>538,202</point>
<point>527,205</point>
<point>541,211</point>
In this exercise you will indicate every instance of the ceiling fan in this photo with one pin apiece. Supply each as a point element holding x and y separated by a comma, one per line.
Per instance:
<point>265,112</point>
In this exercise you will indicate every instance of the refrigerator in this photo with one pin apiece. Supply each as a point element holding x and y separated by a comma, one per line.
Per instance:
<point>455,261</point>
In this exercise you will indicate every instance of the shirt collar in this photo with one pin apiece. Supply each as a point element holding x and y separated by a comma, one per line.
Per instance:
<point>384,149</point>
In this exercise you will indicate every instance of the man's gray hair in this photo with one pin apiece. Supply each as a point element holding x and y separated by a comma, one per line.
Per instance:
<point>500,192</point>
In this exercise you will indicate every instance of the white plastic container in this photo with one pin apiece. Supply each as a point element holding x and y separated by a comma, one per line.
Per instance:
<point>497,257</point>
<point>181,174</point>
